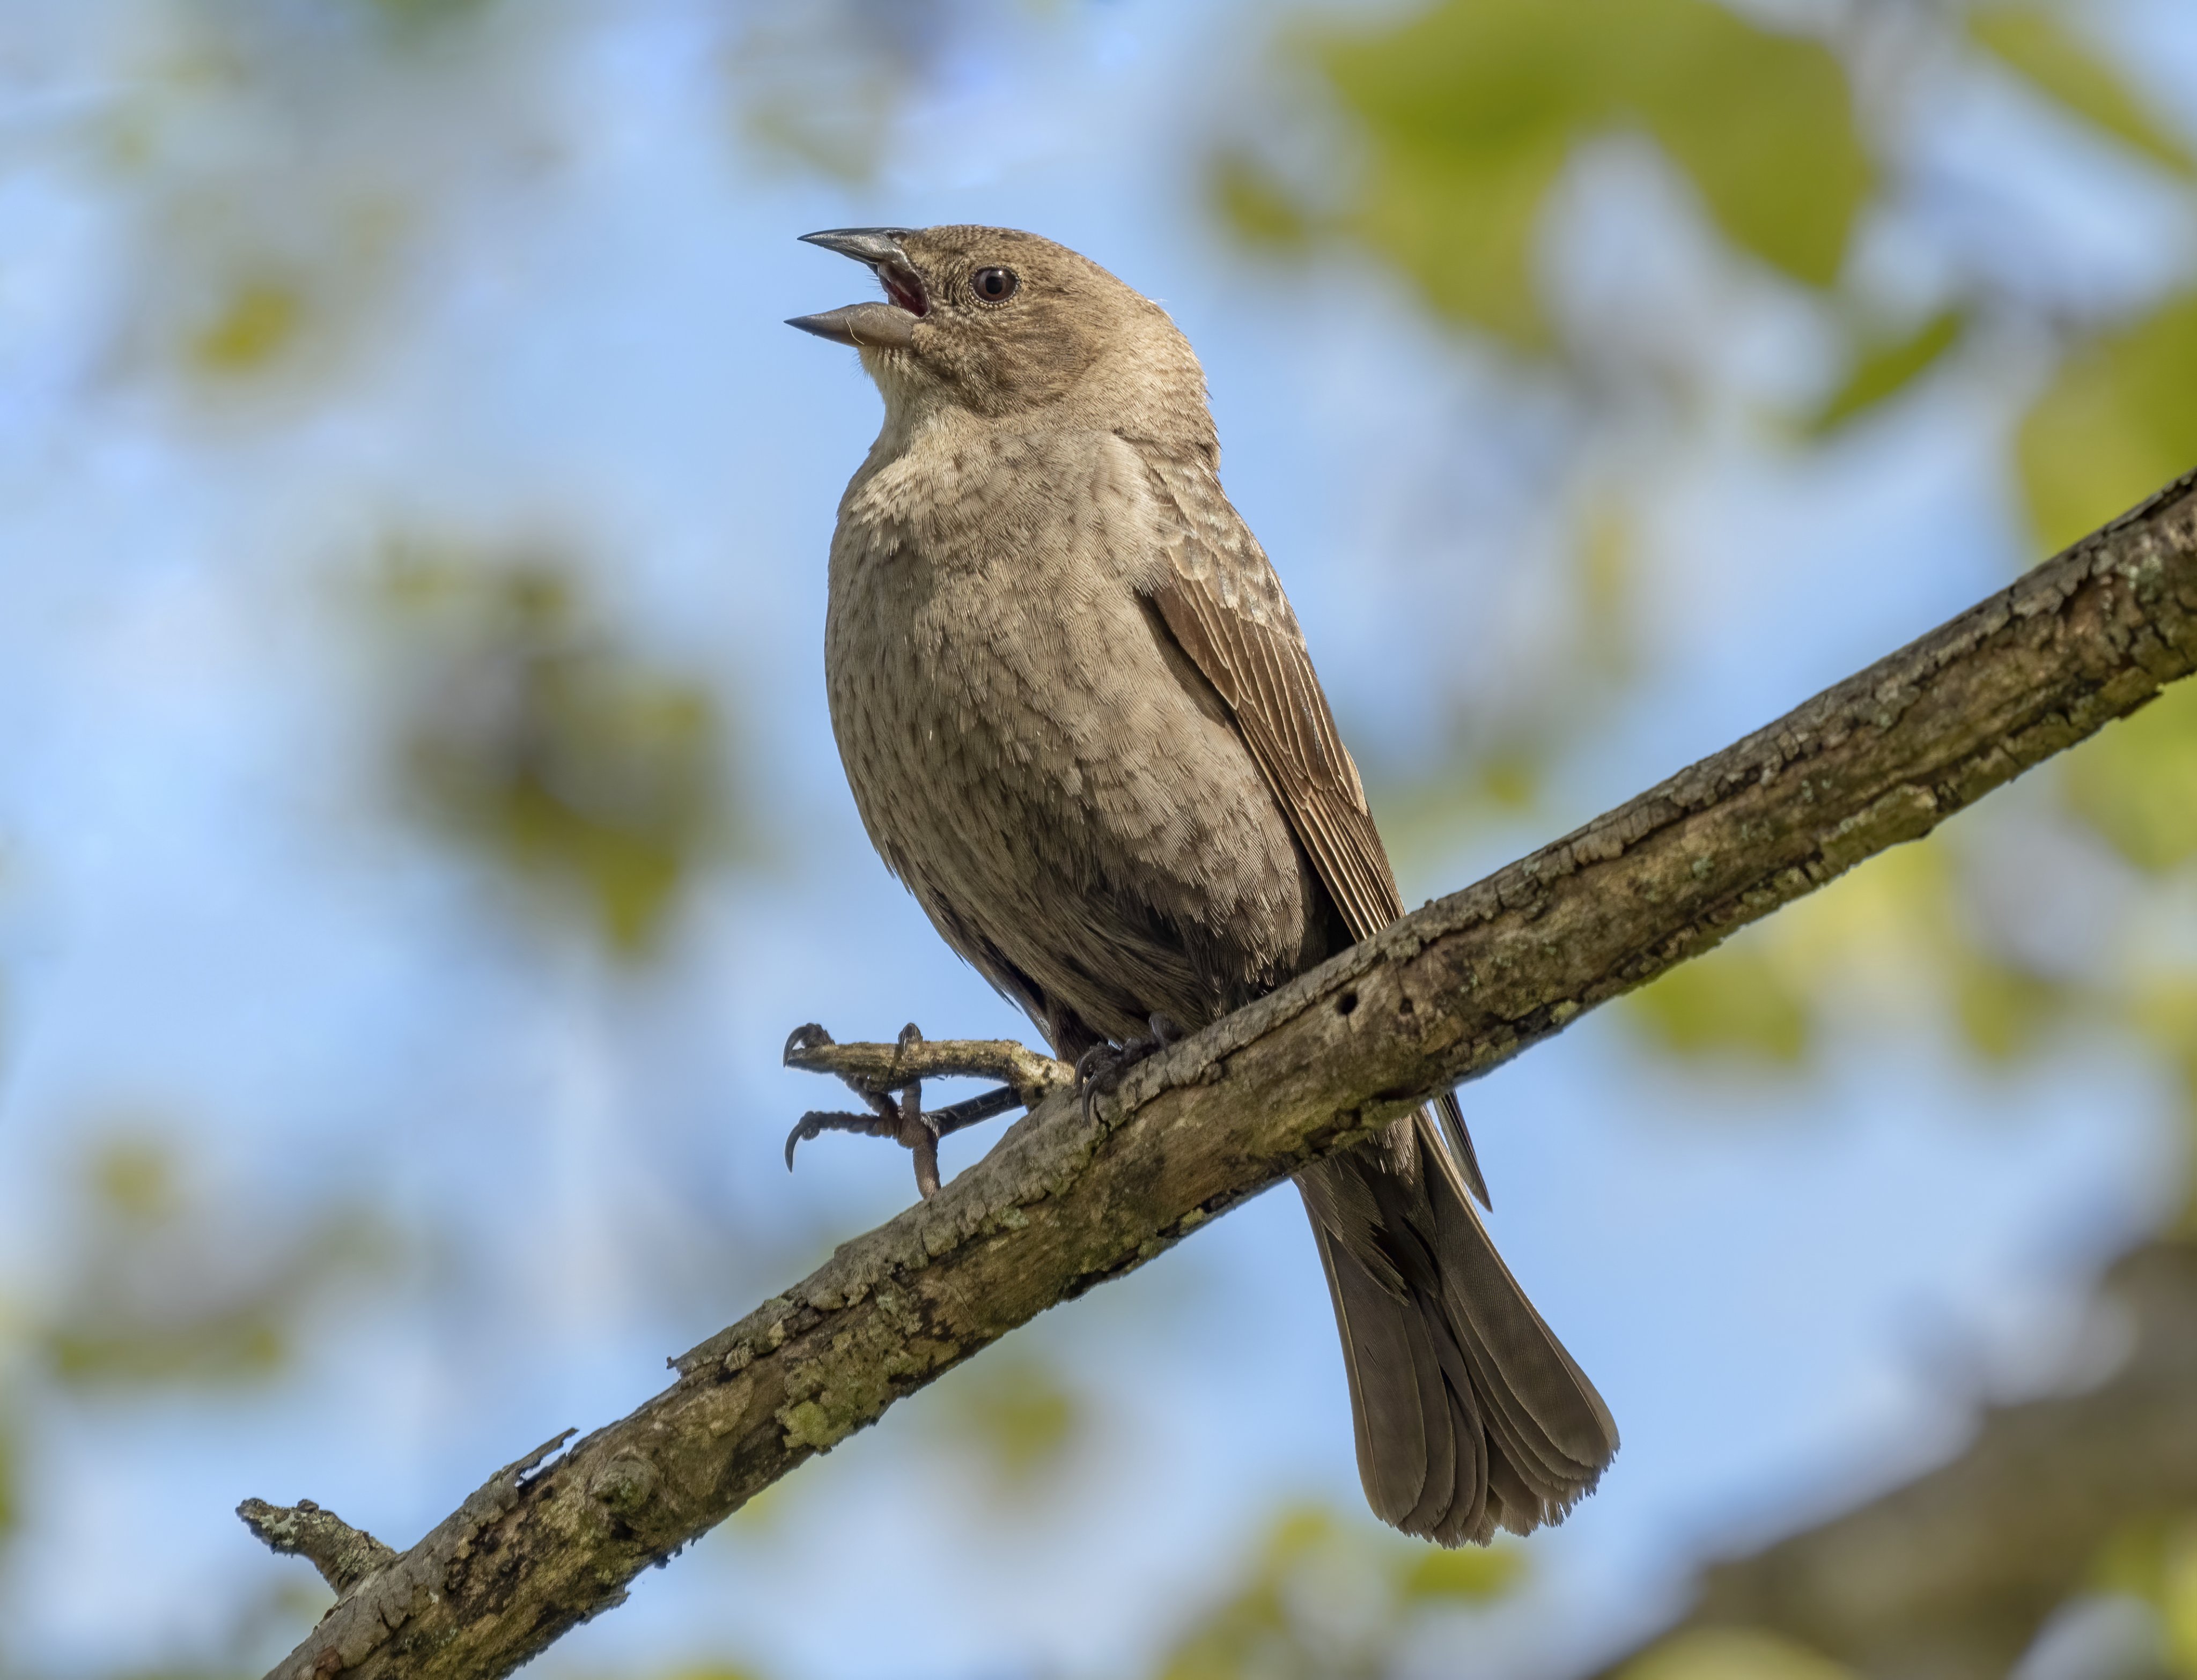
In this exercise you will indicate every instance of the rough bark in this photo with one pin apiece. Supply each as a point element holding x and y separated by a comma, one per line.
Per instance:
<point>344,1555</point>
<point>1951,1576</point>
<point>1448,993</point>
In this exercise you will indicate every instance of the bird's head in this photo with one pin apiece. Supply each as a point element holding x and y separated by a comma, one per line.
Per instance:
<point>1002,324</point>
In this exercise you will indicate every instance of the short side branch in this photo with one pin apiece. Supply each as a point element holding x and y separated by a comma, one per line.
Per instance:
<point>874,1071</point>
<point>877,1069</point>
<point>344,1555</point>
<point>387,1614</point>
<point>1062,1205</point>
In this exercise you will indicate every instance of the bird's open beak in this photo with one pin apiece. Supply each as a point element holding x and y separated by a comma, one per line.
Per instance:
<point>888,325</point>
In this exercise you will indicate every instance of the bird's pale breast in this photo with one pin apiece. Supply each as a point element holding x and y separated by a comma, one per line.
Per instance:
<point>1032,755</point>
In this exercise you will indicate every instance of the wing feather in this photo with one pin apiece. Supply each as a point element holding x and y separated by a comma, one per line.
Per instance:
<point>1246,640</point>
<point>1221,601</point>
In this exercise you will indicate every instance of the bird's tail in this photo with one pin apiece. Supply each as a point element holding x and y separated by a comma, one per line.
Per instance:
<point>1470,1415</point>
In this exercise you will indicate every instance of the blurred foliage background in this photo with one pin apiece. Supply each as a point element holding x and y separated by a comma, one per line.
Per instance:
<point>419,826</point>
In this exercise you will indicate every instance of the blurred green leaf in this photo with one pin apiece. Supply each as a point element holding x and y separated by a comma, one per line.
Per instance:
<point>2119,421</point>
<point>532,733</point>
<point>134,1180</point>
<point>2163,1008</point>
<point>2132,1562</point>
<point>1763,122</point>
<point>174,1289</point>
<point>1475,1575</point>
<point>1883,370</point>
<point>1327,1597</point>
<point>1421,820</point>
<point>2033,42</point>
<point>2153,1559</point>
<point>1733,1653</point>
<point>258,321</point>
<point>244,1345</point>
<point>2178,1597</point>
<point>821,85</point>
<point>1250,1630</point>
<point>11,1507</point>
<point>711,1669</point>
<point>1733,1000</point>
<point>1474,107</point>
<point>1510,779</point>
<point>1607,561</point>
<point>424,15</point>
<point>1297,1532</point>
<point>2136,782</point>
<point>1017,1413</point>
<point>2002,1010</point>
<point>1254,204</point>
<point>1889,929</point>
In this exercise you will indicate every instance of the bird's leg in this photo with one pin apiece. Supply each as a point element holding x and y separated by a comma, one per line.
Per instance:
<point>1099,1069</point>
<point>916,1135</point>
<point>876,1071</point>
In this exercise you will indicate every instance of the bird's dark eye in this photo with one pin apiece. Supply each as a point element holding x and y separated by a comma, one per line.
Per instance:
<point>994,285</point>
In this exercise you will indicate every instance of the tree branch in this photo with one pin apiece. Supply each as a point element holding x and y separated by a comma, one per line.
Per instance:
<point>1447,994</point>
<point>344,1555</point>
<point>876,1069</point>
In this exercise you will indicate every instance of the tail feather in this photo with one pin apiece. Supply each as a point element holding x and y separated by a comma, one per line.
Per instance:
<point>1438,1478</point>
<point>1382,1349</point>
<point>1546,1394</point>
<point>1470,1414</point>
<point>1473,1496</point>
<point>1452,1117</point>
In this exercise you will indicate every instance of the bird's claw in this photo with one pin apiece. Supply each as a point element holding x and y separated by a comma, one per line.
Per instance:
<point>808,1036</point>
<point>873,1072</point>
<point>1100,1070</point>
<point>817,1121</point>
<point>903,1121</point>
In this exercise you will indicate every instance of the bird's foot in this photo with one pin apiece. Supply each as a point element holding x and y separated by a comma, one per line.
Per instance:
<point>1100,1070</point>
<point>875,1072</point>
<point>903,1121</point>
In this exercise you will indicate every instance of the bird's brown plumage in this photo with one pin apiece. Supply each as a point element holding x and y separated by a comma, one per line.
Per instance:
<point>1080,721</point>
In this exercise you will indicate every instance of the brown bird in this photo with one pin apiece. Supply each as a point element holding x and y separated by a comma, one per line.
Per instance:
<point>1081,724</point>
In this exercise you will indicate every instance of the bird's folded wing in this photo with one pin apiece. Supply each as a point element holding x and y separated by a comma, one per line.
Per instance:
<point>1221,601</point>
